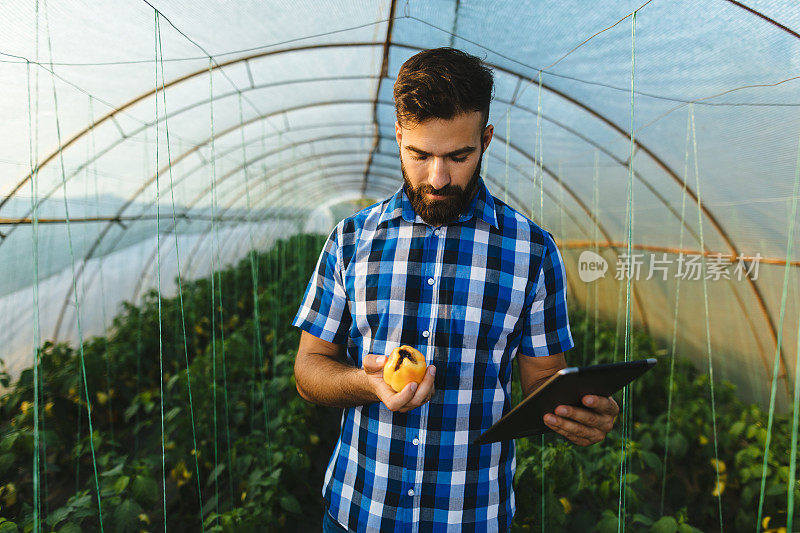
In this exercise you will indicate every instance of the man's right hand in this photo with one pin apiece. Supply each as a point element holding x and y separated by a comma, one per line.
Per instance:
<point>407,399</point>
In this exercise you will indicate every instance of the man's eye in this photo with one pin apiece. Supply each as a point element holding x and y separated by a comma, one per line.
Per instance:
<point>459,159</point>
<point>419,157</point>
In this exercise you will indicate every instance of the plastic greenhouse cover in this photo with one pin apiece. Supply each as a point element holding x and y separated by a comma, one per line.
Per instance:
<point>289,126</point>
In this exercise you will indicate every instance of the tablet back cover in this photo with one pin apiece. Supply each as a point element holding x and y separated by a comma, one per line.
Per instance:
<point>566,389</point>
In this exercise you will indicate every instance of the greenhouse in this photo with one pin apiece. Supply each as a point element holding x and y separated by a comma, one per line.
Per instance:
<point>174,177</point>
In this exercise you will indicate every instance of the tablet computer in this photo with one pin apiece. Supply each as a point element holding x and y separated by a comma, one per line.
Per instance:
<point>565,387</point>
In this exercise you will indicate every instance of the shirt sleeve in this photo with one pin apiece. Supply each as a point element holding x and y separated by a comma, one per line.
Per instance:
<point>324,312</point>
<point>546,324</point>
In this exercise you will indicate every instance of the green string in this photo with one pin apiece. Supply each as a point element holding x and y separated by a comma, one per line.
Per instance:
<point>213,163</point>
<point>35,232</point>
<point>673,344</point>
<point>258,348</point>
<point>139,327</point>
<point>78,438</point>
<point>793,460</point>
<point>539,163</point>
<point>91,158</point>
<point>72,264</point>
<point>544,496</point>
<point>561,228</point>
<point>36,333</point>
<point>776,364</point>
<point>160,60</point>
<point>158,275</point>
<point>508,142</point>
<point>626,415</point>
<point>595,231</point>
<point>705,303</point>
<point>215,229</point>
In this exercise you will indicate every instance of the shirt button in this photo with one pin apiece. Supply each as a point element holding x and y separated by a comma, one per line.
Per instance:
<point>415,441</point>
<point>436,232</point>
<point>426,334</point>
<point>430,281</point>
<point>410,492</point>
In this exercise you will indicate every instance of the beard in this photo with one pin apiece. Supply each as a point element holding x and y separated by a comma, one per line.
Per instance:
<point>440,212</point>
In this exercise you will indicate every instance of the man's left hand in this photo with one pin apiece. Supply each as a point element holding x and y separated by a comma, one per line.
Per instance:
<point>584,426</point>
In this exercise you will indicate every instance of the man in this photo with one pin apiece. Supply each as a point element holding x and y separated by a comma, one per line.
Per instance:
<point>445,267</point>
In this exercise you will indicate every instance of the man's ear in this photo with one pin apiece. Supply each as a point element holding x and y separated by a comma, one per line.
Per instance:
<point>398,133</point>
<point>488,132</point>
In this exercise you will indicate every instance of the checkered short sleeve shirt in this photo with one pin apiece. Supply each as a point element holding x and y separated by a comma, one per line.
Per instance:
<point>470,295</point>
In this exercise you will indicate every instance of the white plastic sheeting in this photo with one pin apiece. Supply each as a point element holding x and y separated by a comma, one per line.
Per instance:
<point>286,108</point>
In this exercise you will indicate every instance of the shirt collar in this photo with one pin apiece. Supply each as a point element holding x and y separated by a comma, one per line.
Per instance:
<point>482,206</point>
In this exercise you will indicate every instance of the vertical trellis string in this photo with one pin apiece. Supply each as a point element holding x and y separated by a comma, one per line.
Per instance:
<point>257,341</point>
<point>539,165</point>
<point>508,142</point>
<point>72,265</point>
<point>537,176</point>
<point>793,460</point>
<point>35,186</point>
<point>776,364</point>
<point>91,158</point>
<point>139,323</point>
<point>213,162</point>
<point>626,415</point>
<point>673,343</point>
<point>157,29</point>
<point>160,60</point>
<point>705,302</point>
<point>35,287</point>
<point>595,230</point>
<point>215,241</point>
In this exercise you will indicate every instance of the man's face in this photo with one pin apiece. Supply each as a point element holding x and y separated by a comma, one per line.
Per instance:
<point>441,162</point>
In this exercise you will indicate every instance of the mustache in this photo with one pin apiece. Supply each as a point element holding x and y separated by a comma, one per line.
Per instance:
<point>450,191</point>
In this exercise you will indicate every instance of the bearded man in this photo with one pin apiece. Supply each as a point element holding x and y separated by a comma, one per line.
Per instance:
<point>447,268</point>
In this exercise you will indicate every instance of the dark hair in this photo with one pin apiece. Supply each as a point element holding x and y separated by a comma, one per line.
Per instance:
<point>442,83</point>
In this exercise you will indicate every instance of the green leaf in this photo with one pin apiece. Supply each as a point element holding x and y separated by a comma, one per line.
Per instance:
<point>678,445</point>
<point>121,484</point>
<point>70,527</point>
<point>126,517</point>
<point>737,428</point>
<point>608,523</point>
<point>171,414</point>
<point>8,441</point>
<point>114,471</point>
<point>642,519</point>
<point>58,515</point>
<point>776,490</point>
<point>6,460</point>
<point>7,527</point>
<point>651,460</point>
<point>290,504</point>
<point>131,411</point>
<point>214,473</point>
<point>665,524</point>
<point>145,491</point>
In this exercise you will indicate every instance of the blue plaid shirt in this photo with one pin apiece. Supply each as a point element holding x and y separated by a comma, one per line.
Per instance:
<point>470,296</point>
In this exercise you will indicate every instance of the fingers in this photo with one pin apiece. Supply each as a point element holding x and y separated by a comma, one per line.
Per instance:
<point>586,417</point>
<point>584,426</point>
<point>604,405</point>
<point>374,363</point>
<point>397,401</point>
<point>423,393</point>
<point>575,432</point>
<point>412,396</point>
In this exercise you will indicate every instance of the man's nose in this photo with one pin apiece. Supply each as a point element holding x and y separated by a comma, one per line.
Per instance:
<point>439,175</point>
